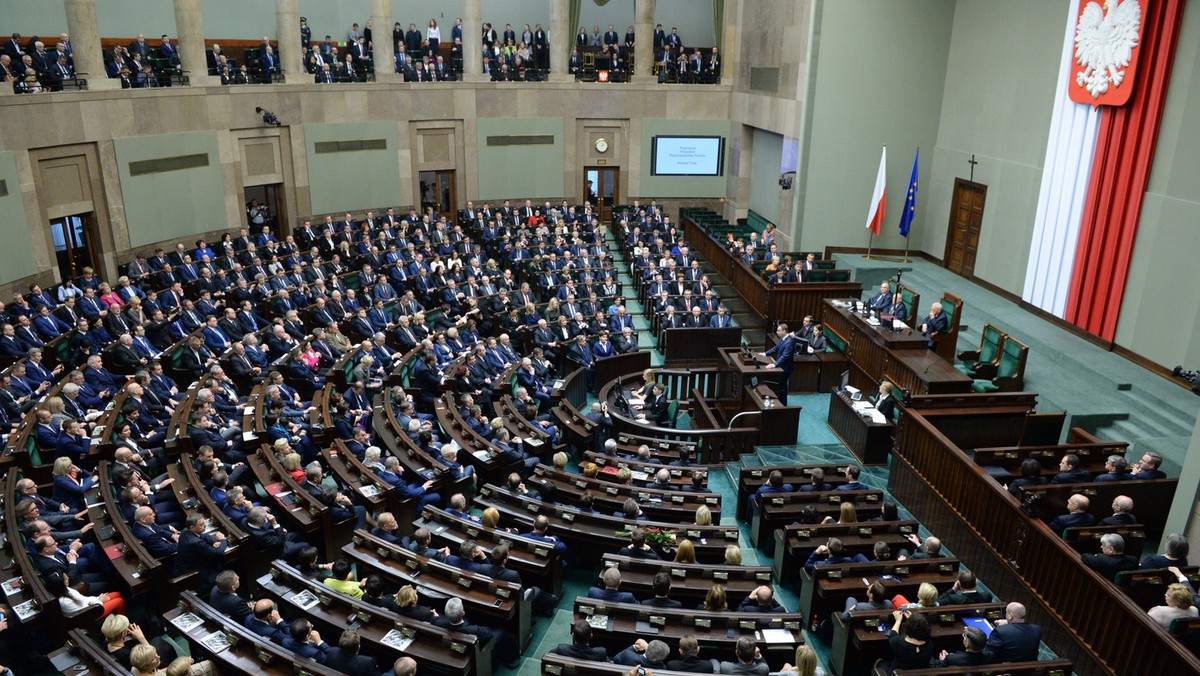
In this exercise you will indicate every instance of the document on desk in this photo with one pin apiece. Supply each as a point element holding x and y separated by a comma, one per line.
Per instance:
<point>776,636</point>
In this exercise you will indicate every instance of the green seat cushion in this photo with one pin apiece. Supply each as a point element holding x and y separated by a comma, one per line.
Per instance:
<point>984,386</point>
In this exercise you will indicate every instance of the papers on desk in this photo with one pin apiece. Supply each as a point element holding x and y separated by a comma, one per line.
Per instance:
<point>775,636</point>
<point>980,624</point>
<point>26,610</point>
<point>639,476</point>
<point>861,405</point>
<point>866,410</point>
<point>634,401</point>
<point>187,622</point>
<point>368,490</point>
<point>482,455</point>
<point>397,639</point>
<point>216,642</point>
<point>305,599</point>
<point>12,586</point>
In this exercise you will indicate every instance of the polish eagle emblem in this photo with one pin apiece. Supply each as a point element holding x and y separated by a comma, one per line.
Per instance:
<point>1105,39</point>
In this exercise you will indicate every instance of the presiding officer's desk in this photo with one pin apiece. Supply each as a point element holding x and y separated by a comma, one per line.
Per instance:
<point>902,355</point>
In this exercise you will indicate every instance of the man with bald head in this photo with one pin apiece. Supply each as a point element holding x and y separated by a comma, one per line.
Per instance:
<point>1076,517</point>
<point>1013,639</point>
<point>1122,507</point>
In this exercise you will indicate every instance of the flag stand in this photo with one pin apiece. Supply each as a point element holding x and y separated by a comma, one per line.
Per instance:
<point>870,241</point>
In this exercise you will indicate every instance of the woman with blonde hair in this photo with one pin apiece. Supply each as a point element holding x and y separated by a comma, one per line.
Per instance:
<point>686,553</point>
<point>292,462</point>
<point>406,599</point>
<point>806,664</point>
<point>846,514</point>
<point>715,600</point>
<point>703,516</point>
<point>560,460</point>
<point>1179,606</point>
<point>733,555</point>
<point>648,380</point>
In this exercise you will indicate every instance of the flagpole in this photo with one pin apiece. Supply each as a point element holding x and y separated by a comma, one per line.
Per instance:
<point>893,259</point>
<point>871,237</point>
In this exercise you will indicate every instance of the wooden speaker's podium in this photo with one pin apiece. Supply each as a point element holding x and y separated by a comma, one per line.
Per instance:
<point>777,422</point>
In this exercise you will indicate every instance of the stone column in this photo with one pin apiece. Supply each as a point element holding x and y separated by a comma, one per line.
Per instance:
<point>287,26</point>
<point>85,45</point>
<point>381,41</point>
<point>191,43</point>
<point>643,45</point>
<point>561,40</point>
<point>472,16</point>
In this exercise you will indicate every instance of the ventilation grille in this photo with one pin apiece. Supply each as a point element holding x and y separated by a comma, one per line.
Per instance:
<point>764,79</point>
<point>526,140</point>
<point>165,164</point>
<point>350,146</point>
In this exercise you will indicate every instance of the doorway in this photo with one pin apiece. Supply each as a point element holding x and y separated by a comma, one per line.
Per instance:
<point>602,187</point>
<point>966,219</point>
<point>437,192</point>
<point>74,245</point>
<point>264,206</point>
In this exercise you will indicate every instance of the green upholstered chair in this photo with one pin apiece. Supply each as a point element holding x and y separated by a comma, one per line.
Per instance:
<point>945,344</point>
<point>817,276</point>
<point>981,363</point>
<point>911,300</point>
<point>835,341</point>
<point>1010,370</point>
<point>839,275</point>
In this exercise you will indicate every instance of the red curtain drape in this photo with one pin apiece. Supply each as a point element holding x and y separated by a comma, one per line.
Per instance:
<point>1120,171</point>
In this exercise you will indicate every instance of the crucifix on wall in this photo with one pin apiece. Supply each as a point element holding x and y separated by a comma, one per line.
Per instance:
<point>972,162</point>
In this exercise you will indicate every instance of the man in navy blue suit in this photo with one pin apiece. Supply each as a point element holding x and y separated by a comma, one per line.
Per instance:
<point>1013,640</point>
<point>882,300</point>
<point>1076,517</point>
<point>784,353</point>
<point>935,323</point>
<point>611,577</point>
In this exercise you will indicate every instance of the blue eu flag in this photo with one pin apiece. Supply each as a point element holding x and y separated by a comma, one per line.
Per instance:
<point>910,200</point>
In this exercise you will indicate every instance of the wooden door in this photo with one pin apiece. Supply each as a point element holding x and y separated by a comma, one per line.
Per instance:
<point>966,218</point>
<point>602,188</point>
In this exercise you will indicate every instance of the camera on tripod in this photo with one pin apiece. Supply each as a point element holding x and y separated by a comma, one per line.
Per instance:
<point>1191,377</point>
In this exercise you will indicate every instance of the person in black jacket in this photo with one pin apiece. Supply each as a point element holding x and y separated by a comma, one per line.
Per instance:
<point>1069,471</point>
<point>496,568</point>
<point>199,551</point>
<point>1112,558</point>
<point>964,592</point>
<point>662,588</point>
<point>971,655</point>
<point>1031,475</point>
<point>581,637</point>
<point>689,658</point>
<point>345,657</point>
<point>225,599</point>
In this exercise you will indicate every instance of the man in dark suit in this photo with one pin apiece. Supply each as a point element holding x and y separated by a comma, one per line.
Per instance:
<point>579,647</point>
<point>1116,468</point>
<point>964,592</point>
<point>662,589</point>
<point>657,407</point>
<point>267,535</point>
<point>497,566</point>
<point>1070,472</point>
<point>303,640</point>
<point>934,323</point>
<point>1013,640</point>
<point>265,621</point>
<point>1122,507</point>
<point>1112,558</point>
<point>385,529</point>
<point>345,657</point>
<point>971,655</point>
<point>224,597</point>
<point>1148,467</point>
<point>882,300</point>
<point>784,353</point>
<point>611,577</point>
<point>199,551</point>
<point>1076,517</point>
<point>580,355</point>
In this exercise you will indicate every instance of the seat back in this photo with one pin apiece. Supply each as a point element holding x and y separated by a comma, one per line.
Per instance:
<point>1012,359</point>
<point>817,276</point>
<point>835,341</point>
<point>839,275</point>
<point>673,412</point>
<point>946,344</point>
<point>989,344</point>
<point>911,300</point>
